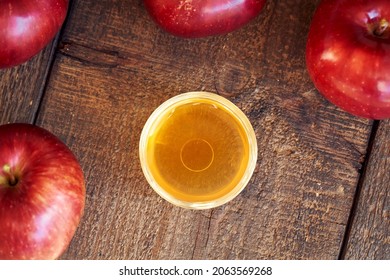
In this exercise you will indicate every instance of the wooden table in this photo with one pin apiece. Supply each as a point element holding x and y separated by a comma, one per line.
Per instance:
<point>320,189</point>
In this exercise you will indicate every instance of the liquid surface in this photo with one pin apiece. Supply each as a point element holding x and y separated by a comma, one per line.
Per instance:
<point>198,152</point>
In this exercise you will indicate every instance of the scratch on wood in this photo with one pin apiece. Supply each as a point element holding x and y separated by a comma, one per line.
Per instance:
<point>89,55</point>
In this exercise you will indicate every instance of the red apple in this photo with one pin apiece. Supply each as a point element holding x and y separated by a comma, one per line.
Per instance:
<point>42,193</point>
<point>201,18</point>
<point>27,26</point>
<point>348,55</point>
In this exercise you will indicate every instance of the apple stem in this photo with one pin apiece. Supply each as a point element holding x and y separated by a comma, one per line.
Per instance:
<point>12,180</point>
<point>10,177</point>
<point>382,28</point>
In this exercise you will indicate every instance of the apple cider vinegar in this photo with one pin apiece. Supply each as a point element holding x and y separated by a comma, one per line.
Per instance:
<point>196,150</point>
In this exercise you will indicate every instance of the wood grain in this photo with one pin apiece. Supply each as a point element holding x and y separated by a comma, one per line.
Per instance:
<point>370,234</point>
<point>21,88</point>
<point>115,67</point>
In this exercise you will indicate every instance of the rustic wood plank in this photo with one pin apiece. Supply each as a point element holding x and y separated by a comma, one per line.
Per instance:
<point>115,67</point>
<point>370,233</point>
<point>21,88</point>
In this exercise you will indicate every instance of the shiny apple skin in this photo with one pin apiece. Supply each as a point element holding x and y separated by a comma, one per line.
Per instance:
<point>39,214</point>
<point>27,26</point>
<point>348,64</point>
<point>202,18</point>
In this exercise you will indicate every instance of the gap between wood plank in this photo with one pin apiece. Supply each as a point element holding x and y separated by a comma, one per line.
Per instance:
<point>52,57</point>
<point>352,214</point>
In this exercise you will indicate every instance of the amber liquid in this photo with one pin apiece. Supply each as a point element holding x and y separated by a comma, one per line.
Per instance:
<point>198,152</point>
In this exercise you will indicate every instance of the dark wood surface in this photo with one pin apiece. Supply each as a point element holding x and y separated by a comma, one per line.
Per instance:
<point>22,88</point>
<point>370,233</point>
<point>320,188</point>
